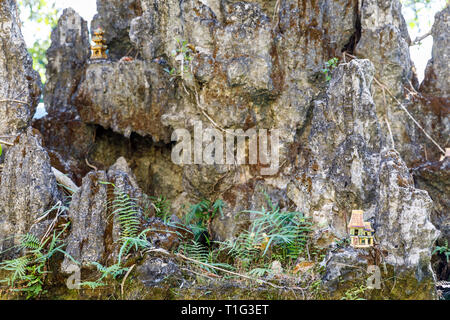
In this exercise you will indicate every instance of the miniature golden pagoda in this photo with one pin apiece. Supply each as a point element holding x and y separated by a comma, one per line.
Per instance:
<point>99,47</point>
<point>361,232</point>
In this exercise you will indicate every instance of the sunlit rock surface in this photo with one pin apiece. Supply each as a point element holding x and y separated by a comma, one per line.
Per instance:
<point>19,83</point>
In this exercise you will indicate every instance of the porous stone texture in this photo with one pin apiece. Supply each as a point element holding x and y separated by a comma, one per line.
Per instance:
<point>95,234</point>
<point>344,144</point>
<point>67,137</point>
<point>437,74</point>
<point>385,41</point>
<point>435,178</point>
<point>28,189</point>
<point>402,219</point>
<point>348,168</point>
<point>432,106</point>
<point>404,239</point>
<point>126,97</point>
<point>114,18</point>
<point>19,83</point>
<point>336,171</point>
<point>153,271</point>
<point>67,56</point>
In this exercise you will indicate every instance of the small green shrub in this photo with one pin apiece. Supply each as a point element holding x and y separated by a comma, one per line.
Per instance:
<point>184,54</point>
<point>329,66</point>
<point>162,207</point>
<point>355,293</point>
<point>445,250</point>
<point>113,271</point>
<point>199,217</point>
<point>199,252</point>
<point>284,234</point>
<point>27,273</point>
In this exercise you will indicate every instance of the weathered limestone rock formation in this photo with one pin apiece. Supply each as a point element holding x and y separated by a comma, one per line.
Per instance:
<point>404,236</point>
<point>67,57</point>
<point>347,170</point>
<point>19,83</point>
<point>345,144</point>
<point>115,17</point>
<point>431,107</point>
<point>432,110</point>
<point>69,139</point>
<point>28,189</point>
<point>126,97</point>
<point>435,178</point>
<point>385,41</point>
<point>94,232</point>
<point>336,172</point>
<point>437,80</point>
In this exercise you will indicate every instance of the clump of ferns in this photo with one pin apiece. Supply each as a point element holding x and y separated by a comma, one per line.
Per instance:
<point>274,234</point>
<point>126,211</point>
<point>199,217</point>
<point>195,233</point>
<point>158,206</point>
<point>27,273</point>
<point>207,256</point>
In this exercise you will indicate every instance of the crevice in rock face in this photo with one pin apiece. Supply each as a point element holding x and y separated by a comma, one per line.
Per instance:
<point>150,162</point>
<point>354,39</point>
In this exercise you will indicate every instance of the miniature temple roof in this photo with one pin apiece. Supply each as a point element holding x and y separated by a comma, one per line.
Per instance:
<point>357,220</point>
<point>368,226</point>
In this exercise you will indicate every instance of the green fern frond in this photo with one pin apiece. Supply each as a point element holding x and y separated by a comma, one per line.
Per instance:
<point>17,267</point>
<point>259,272</point>
<point>92,284</point>
<point>126,211</point>
<point>30,241</point>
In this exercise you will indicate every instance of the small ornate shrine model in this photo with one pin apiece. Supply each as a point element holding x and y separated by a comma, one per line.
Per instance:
<point>361,232</point>
<point>99,47</point>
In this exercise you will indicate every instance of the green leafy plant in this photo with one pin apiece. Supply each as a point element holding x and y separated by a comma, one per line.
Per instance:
<point>127,212</point>
<point>27,273</point>
<point>184,55</point>
<point>284,233</point>
<point>260,272</point>
<point>162,207</point>
<point>354,293</point>
<point>45,15</point>
<point>445,250</point>
<point>329,66</point>
<point>342,242</point>
<point>200,216</point>
<point>113,271</point>
<point>199,252</point>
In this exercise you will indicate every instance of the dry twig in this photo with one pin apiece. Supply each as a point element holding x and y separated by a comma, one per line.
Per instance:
<point>125,278</point>
<point>226,271</point>
<point>13,100</point>
<point>6,143</point>
<point>420,38</point>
